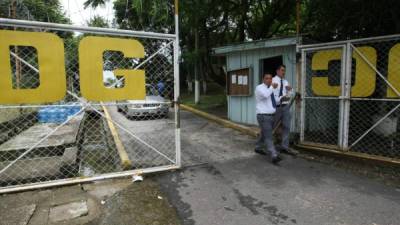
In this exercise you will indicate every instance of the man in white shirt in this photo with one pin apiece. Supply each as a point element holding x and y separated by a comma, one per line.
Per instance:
<point>265,109</point>
<point>283,93</point>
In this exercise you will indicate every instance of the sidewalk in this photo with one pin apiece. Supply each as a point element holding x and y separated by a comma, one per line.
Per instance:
<point>117,201</point>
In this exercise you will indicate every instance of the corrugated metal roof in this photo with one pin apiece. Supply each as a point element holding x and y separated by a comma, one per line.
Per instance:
<point>251,45</point>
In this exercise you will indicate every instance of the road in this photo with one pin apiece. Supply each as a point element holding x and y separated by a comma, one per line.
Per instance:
<point>224,182</point>
<point>148,142</point>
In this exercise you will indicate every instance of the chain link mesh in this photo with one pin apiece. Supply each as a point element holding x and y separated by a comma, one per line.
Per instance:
<point>373,96</point>
<point>322,105</point>
<point>374,126</point>
<point>75,138</point>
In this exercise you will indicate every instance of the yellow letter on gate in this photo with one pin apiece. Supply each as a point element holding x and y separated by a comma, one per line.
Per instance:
<point>50,54</point>
<point>365,82</point>
<point>365,76</point>
<point>91,51</point>
<point>394,71</point>
<point>320,61</point>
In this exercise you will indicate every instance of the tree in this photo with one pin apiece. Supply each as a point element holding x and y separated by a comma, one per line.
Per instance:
<point>345,19</point>
<point>38,10</point>
<point>94,3</point>
<point>155,15</point>
<point>97,21</point>
<point>270,18</point>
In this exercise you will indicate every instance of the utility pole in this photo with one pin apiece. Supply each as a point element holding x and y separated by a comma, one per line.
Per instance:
<point>176,88</point>
<point>17,61</point>
<point>298,12</point>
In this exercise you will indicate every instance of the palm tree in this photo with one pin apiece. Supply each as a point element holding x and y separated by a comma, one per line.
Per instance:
<point>94,3</point>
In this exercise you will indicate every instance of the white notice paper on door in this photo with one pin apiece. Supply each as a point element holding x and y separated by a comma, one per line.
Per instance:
<point>233,79</point>
<point>240,80</point>
<point>245,81</point>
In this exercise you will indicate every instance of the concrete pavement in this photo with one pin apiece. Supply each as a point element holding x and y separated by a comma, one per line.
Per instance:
<point>224,182</point>
<point>116,202</point>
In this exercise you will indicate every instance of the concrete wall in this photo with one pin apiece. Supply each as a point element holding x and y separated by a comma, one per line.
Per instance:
<point>242,109</point>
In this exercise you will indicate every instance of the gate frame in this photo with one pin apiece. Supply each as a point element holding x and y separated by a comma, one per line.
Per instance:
<point>341,98</point>
<point>174,38</point>
<point>345,98</point>
<point>352,47</point>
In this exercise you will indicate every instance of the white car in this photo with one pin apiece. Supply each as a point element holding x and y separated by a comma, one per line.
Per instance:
<point>154,106</point>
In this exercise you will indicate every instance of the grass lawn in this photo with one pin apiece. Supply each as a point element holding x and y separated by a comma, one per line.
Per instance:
<point>214,102</point>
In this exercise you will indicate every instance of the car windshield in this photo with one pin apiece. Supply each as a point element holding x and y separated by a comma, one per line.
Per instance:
<point>151,91</point>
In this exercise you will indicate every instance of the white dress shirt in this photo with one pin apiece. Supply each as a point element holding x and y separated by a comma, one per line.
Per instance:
<point>263,99</point>
<point>277,79</point>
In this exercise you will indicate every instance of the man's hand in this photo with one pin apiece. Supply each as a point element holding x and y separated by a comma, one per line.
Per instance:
<point>274,85</point>
<point>285,98</point>
<point>288,88</point>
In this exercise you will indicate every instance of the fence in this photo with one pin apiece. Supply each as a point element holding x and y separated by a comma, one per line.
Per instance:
<point>59,121</point>
<point>351,97</point>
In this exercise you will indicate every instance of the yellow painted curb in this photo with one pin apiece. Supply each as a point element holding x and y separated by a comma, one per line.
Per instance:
<point>123,155</point>
<point>226,123</point>
<point>356,155</point>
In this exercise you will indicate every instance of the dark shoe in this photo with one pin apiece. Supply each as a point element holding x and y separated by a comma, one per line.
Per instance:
<point>259,151</point>
<point>276,160</point>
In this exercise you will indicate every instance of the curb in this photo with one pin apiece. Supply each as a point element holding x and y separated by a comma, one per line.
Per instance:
<point>226,123</point>
<point>123,155</point>
<point>350,155</point>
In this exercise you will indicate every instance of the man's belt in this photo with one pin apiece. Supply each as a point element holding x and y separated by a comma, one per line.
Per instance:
<point>266,114</point>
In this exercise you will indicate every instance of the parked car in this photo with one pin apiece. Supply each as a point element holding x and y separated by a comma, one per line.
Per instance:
<point>154,106</point>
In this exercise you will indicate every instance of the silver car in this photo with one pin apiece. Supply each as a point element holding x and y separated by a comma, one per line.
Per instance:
<point>154,106</point>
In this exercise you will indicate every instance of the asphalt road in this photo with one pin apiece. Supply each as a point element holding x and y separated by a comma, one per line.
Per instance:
<point>148,142</point>
<point>224,182</point>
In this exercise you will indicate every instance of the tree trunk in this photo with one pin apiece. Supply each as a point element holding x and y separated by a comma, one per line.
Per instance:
<point>204,87</point>
<point>190,86</point>
<point>196,67</point>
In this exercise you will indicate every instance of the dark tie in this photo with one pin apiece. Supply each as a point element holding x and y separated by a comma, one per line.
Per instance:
<point>281,89</point>
<point>273,99</point>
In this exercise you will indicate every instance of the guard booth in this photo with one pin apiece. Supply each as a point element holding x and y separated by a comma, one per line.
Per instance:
<point>246,63</point>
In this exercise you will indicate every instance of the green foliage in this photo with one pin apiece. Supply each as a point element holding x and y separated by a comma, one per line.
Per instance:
<point>345,19</point>
<point>94,3</point>
<point>38,10</point>
<point>97,21</point>
<point>154,15</point>
<point>269,18</point>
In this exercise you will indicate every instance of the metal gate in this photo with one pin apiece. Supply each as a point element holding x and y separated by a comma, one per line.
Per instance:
<point>59,121</point>
<point>350,96</point>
